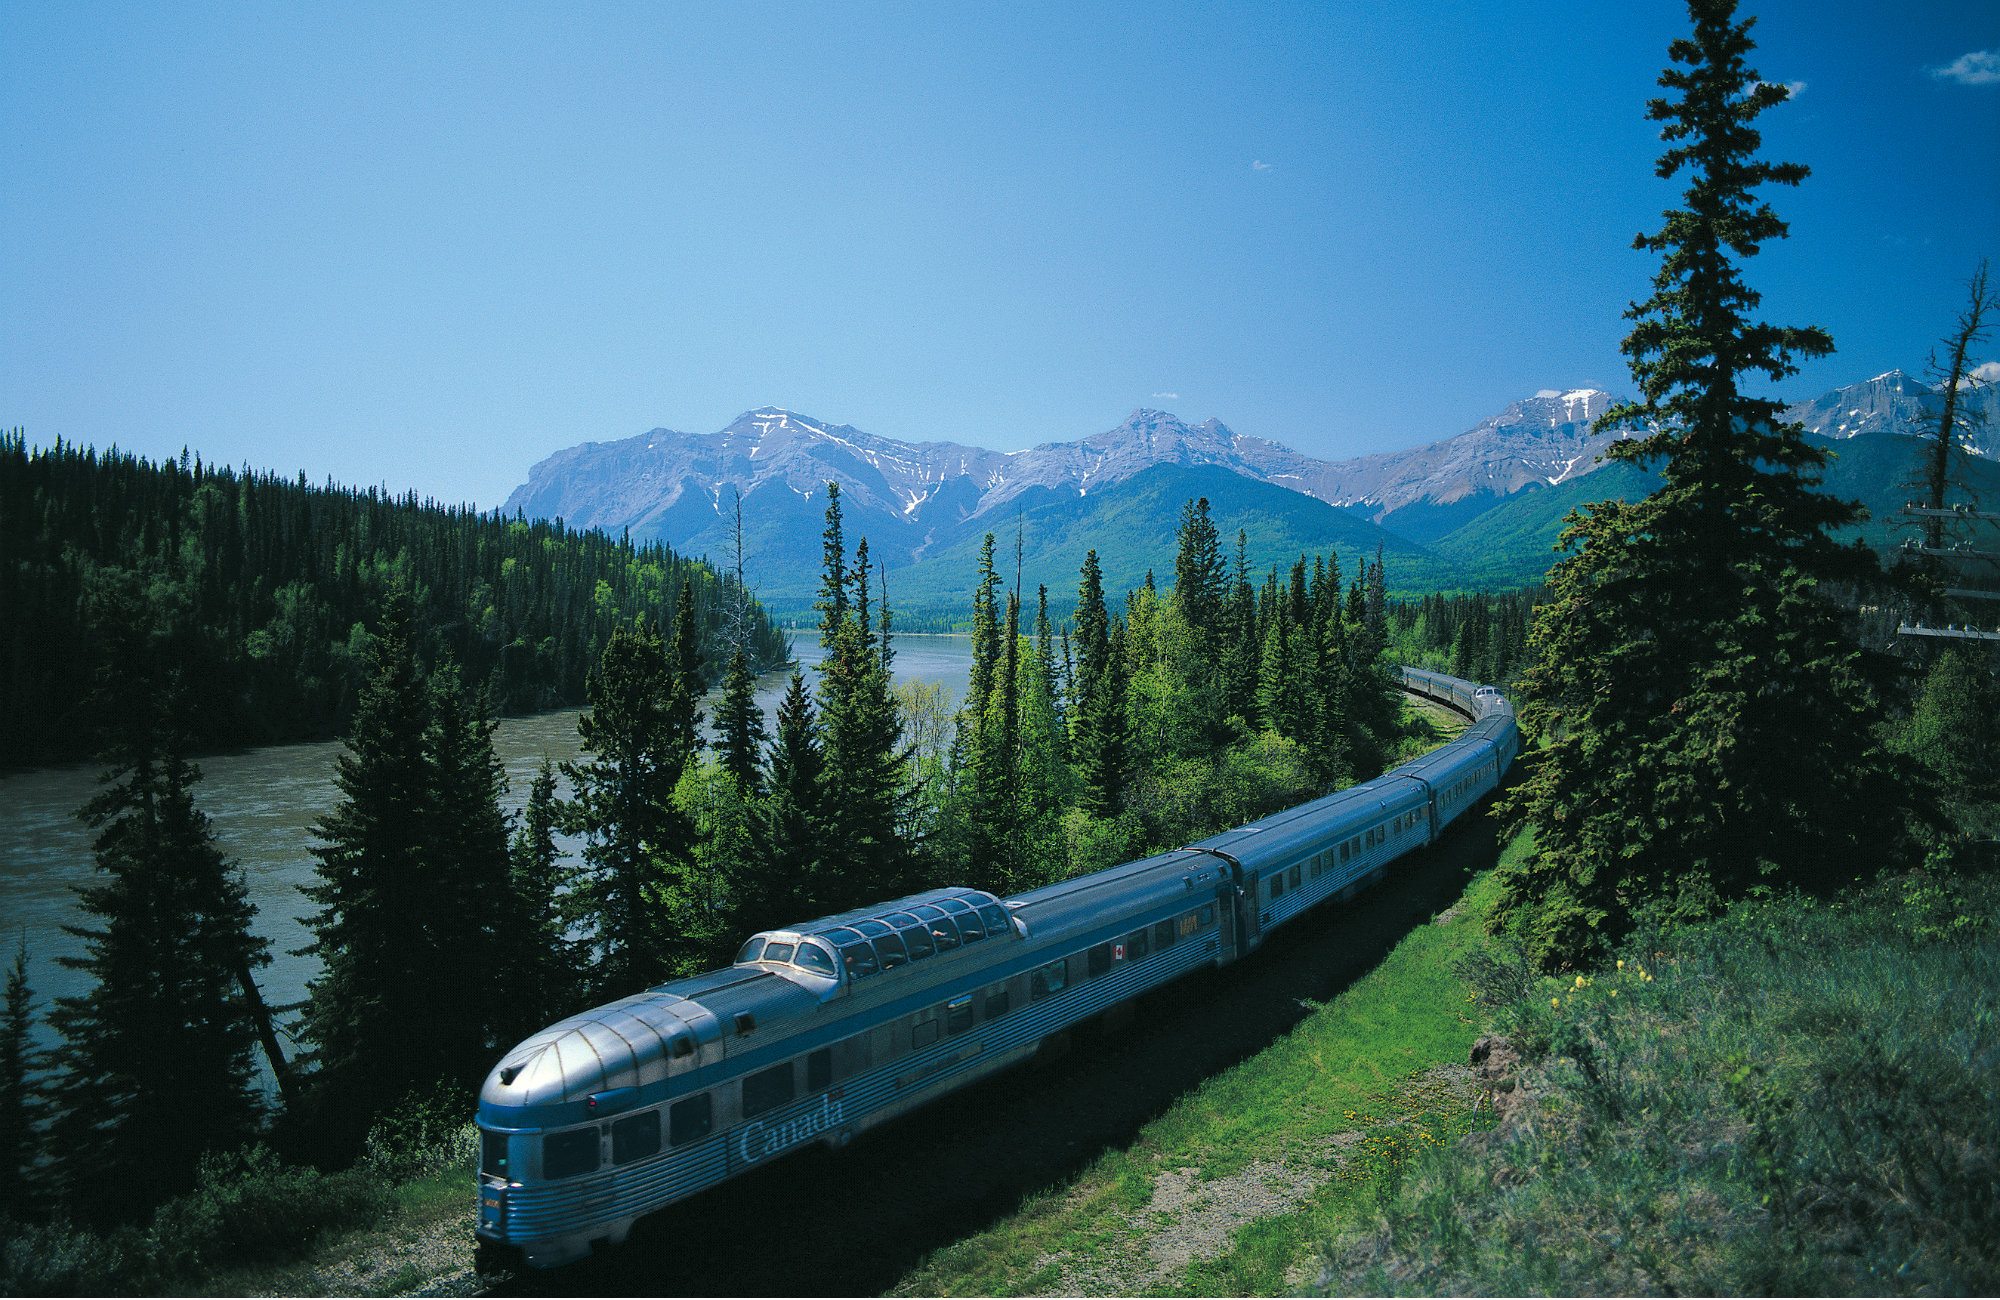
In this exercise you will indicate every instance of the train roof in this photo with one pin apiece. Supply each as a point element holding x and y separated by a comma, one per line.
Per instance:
<point>1070,905</point>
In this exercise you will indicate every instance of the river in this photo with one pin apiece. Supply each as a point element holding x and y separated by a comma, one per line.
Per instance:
<point>264,802</point>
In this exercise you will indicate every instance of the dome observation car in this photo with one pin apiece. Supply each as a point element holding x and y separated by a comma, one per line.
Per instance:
<point>859,945</point>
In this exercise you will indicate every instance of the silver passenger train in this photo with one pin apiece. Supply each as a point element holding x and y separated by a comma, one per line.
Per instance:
<point>827,1028</point>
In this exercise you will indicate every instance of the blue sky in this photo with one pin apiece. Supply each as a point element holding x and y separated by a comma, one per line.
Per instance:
<point>426,245</point>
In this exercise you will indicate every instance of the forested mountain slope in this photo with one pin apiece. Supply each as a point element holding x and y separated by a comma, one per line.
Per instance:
<point>261,589</point>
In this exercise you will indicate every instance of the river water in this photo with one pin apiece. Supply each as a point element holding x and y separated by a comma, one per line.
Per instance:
<point>264,802</point>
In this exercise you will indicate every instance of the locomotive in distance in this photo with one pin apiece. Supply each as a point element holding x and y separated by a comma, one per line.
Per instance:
<point>827,1028</point>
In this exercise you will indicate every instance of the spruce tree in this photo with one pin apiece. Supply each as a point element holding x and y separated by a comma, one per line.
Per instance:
<point>739,725</point>
<point>480,931</point>
<point>371,1015</point>
<point>789,877</point>
<point>157,1063</point>
<point>549,960</point>
<point>866,856</point>
<point>22,1102</point>
<point>1707,715</point>
<point>635,747</point>
<point>1098,717</point>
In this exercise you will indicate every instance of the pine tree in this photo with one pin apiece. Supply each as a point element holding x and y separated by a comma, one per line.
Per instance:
<point>480,932</point>
<point>789,876</point>
<point>739,724</point>
<point>866,856</point>
<point>1098,727</point>
<point>370,1015</point>
<point>1708,716</point>
<point>22,1102</point>
<point>549,960</point>
<point>635,746</point>
<point>157,1061</point>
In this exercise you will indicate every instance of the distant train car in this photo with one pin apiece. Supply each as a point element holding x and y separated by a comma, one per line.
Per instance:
<point>824,1029</point>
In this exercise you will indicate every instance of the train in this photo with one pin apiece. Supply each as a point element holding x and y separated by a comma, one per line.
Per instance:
<point>820,1030</point>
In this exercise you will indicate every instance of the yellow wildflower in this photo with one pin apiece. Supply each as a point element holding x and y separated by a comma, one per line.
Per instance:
<point>1555,1002</point>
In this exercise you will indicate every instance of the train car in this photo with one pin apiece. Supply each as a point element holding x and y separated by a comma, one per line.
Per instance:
<point>821,1030</point>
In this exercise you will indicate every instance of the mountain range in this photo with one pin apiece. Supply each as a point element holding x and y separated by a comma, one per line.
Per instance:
<point>1479,508</point>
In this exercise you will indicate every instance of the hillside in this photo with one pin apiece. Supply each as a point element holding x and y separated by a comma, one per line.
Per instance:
<point>1513,543</point>
<point>1131,526</point>
<point>261,589</point>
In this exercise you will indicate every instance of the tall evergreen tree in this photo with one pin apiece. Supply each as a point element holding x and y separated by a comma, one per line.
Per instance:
<point>739,726</point>
<point>1708,717</point>
<point>549,959</point>
<point>22,1103</point>
<point>480,931</point>
<point>1098,727</point>
<point>157,1061</point>
<point>635,741</point>
<point>427,946</point>
<point>866,856</point>
<point>788,879</point>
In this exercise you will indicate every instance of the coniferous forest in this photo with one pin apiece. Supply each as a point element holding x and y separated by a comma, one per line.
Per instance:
<point>260,590</point>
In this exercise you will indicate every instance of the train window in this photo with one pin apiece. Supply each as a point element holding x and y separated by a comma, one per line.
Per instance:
<point>812,957</point>
<point>1048,980</point>
<point>1343,851</point>
<point>969,928</point>
<point>778,952</point>
<point>953,905</point>
<point>1294,881</point>
<point>1164,934</point>
<point>944,933</point>
<point>690,1119</point>
<point>958,1015</point>
<point>871,928</point>
<point>1190,923</point>
<point>995,917</point>
<point>924,1033</point>
<point>900,920</point>
<point>998,999</point>
<point>841,938</point>
<point>890,949</point>
<point>1137,945</point>
<point>752,950</point>
<point>1208,916</point>
<point>859,959</point>
<point>767,1089</point>
<point>1277,884</point>
<point>918,940</point>
<point>493,1153</point>
<point>1099,958</point>
<point>635,1137</point>
<point>565,1155</point>
<point>819,1070</point>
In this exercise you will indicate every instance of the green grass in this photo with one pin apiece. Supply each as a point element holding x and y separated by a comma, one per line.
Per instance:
<point>1337,1109</point>
<point>1798,1098</point>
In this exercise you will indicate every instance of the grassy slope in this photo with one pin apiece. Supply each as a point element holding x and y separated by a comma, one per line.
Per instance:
<point>1316,1123</point>
<point>1797,1099</point>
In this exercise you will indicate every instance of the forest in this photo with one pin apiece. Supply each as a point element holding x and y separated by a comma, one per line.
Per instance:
<point>259,590</point>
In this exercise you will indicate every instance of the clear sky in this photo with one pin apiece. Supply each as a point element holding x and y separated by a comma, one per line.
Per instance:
<point>425,245</point>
